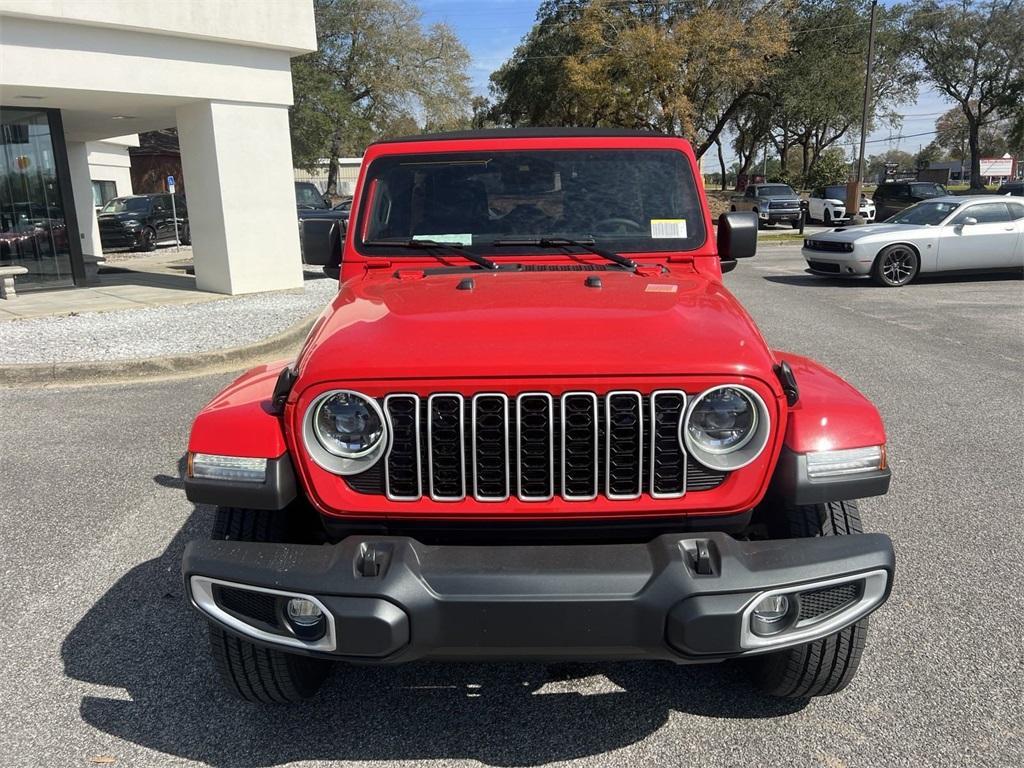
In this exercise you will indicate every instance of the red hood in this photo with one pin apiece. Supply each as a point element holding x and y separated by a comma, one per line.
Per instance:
<point>543,323</point>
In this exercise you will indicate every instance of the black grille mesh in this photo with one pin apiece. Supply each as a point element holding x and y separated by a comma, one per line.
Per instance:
<point>539,438</point>
<point>491,446</point>
<point>536,425</point>
<point>446,446</point>
<point>254,605</point>
<point>625,450</point>
<point>581,445</point>
<point>828,599</point>
<point>403,461</point>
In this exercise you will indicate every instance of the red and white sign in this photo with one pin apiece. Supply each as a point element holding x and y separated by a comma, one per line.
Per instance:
<point>997,166</point>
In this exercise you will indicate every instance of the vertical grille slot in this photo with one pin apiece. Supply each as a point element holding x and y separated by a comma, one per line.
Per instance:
<point>624,445</point>
<point>490,447</point>
<point>667,459</point>
<point>446,456</point>
<point>580,446</point>
<point>535,443</point>
<point>403,479</point>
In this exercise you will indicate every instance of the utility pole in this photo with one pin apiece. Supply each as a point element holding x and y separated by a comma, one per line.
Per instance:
<point>853,191</point>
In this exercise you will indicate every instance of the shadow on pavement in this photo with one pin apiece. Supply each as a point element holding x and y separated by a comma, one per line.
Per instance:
<point>142,637</point>
<point>921,281</point>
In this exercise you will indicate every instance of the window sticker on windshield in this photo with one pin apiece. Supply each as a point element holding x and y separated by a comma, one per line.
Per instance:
<point>466,239</point>
<point>666,228</point>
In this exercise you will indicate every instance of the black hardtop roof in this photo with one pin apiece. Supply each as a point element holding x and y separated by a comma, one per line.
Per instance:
<point>524,133</point>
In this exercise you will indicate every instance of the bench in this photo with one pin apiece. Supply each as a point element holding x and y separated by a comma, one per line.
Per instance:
<point>7,275</point>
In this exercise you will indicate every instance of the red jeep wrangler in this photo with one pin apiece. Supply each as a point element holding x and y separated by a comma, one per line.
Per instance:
<point>535,425</point>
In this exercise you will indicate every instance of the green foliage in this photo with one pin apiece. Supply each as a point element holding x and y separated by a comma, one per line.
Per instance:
<point>376,73</point>
<point>831,168</point>
<point>973,53</point>
<point>677,67</point>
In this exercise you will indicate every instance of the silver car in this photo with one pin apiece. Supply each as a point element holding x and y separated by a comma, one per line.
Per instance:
<point>943,234</point>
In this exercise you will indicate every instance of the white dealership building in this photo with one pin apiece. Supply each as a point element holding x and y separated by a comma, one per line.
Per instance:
<point>80,78</point>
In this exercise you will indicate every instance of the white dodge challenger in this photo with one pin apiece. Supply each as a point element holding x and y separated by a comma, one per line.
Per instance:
<point>943,234</point>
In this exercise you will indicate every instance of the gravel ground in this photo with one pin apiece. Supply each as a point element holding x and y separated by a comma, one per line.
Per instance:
<point>132,334</point>
<point>103,659</point>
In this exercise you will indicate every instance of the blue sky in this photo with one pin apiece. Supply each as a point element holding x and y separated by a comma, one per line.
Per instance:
<point>491,29</point>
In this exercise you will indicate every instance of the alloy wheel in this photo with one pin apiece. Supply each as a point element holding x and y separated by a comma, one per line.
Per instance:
<point>898,266</point>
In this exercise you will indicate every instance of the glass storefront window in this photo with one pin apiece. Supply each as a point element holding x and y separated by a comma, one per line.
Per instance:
<point>33,230</point>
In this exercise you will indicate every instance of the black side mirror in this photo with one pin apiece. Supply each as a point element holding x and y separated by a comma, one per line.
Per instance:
<point>737,236</point>
<point>321,241</point>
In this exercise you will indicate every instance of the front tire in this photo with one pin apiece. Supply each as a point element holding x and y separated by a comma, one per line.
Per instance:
<point>825,666</point>
<point>147,239</point>
<point>828,218</point>
<point>254,673</point>
<point>895,266</point>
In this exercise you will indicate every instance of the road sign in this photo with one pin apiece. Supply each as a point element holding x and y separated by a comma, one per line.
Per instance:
<point>170,184</point>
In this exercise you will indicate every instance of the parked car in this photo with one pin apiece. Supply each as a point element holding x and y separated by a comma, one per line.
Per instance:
<point>773,204</point>
<point>143,221</point>
<point>828,205</point>
<point>312,205</point>
<point>535,424</point>
<point>892,197</point>
<point>344,207</point>
<point>945,234</point>
<point>1014,188</point>
<point>30,238</point>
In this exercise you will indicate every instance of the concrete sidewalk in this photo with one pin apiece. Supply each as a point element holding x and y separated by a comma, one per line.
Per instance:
<point>147,318</point>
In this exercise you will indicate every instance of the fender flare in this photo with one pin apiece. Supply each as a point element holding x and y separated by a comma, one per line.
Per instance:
<point>241,420</point>
<point>830,415</point>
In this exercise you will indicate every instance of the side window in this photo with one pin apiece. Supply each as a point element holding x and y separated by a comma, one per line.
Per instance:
<point>881,193</point>
<point>985,213</point>
<point>750,192</point>
<point>160,204</point>
<point>1016,211</point>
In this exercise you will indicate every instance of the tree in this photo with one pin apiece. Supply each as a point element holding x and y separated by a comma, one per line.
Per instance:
<point>376,72</point>
<point>666,65</point>
<point>902,160</point>
<point>832,167</point>
<point>817,89</point>
<point>973,52</point>
<point>952,134</point>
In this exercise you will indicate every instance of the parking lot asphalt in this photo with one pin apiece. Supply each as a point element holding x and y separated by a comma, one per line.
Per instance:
<point>102,658</point>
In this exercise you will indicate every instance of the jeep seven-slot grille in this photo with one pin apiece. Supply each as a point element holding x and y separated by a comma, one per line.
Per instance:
<point>535,447</point>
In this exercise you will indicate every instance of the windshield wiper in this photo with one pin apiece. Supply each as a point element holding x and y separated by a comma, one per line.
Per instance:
<point>426,244</point>
<point>564,242</point>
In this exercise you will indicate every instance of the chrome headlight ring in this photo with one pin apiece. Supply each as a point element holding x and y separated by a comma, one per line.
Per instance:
<point>357,461</point>
<point>732,457</point>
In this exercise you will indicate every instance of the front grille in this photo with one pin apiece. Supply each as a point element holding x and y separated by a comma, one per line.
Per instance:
<point>828,599</point>
<point>827,246</point>
<point>535,447</point>
<point>823,266</point>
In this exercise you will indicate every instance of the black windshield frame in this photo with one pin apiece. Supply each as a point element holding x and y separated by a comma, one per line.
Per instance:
<point>686,199</point>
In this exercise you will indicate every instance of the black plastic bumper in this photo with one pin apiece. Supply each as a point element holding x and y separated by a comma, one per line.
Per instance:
<point>679,597</point>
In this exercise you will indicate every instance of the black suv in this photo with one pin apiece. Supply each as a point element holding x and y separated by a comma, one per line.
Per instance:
<point>141,221</point>
<point>893,196</point>
<point>1015,188</point>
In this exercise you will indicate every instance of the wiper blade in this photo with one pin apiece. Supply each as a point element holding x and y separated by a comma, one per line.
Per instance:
<point>564,242</point>
<point>427,244</point>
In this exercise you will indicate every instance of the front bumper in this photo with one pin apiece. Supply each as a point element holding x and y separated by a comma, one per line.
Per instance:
<point>680,597</point>
<point>774,215</point>
<point>836,264</point>
<point>119,237</point>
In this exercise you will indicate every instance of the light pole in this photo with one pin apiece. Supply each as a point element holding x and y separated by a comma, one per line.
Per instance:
<point>853,191</point>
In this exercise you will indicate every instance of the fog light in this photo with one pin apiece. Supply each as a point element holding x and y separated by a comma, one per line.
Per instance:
<point>770,615</point>
<point>207,466</point>
<point>845,462</point>
<point>304,613</point>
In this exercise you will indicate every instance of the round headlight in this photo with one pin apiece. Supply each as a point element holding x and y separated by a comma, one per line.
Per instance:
<point>722,421</point>
<point>726,427</point>
<point>345,432</point>
<point>348,425</point>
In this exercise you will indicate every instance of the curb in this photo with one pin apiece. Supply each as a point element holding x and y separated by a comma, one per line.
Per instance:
<point>125,371</point>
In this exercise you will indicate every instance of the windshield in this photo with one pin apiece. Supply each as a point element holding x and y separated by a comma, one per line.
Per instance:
<point>127,205</point>
<point>927,190</point>
<point>928,214</point>
<point>835,193</point>
<point>309,196</point>
<point>622,200</point>
<point>776,190</point>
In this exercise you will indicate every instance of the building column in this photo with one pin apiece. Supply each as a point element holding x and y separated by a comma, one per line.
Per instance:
<point>81,190</point>
<point>236,161</point>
